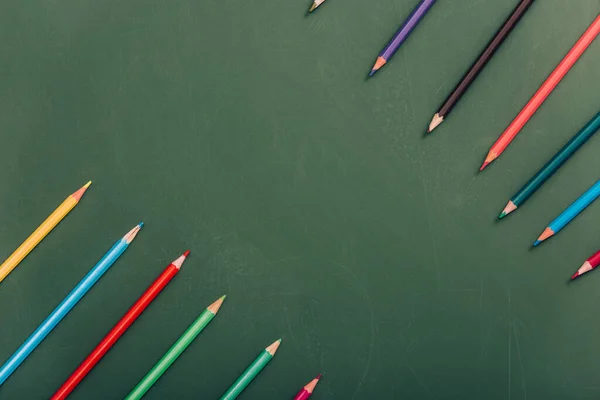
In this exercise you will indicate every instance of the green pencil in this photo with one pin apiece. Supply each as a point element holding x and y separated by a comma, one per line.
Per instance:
<point>175,351</point>
<point>552,166</point>
<point>250,373</point>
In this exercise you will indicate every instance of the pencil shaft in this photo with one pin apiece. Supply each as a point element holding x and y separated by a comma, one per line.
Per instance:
<point>118,330</point>
<point>406,29</point>
<point>247,376</point>
<point>574,209</point>
<point>62,310</point>
<point>41,232</point>
<point>545,90</point>
<point>557,161</point>
<point>169,358</point>
<point>485,56</point>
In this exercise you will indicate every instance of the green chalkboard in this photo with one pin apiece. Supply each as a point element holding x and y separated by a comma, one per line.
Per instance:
<point>247,132</point>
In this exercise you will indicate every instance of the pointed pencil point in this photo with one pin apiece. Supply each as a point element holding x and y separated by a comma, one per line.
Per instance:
<point>313,7</point>
<point>319,376</point>
<point>575,275</point>
<point>79,193</point>
<point>310,386</point>
<point>502,215</point>
<point>214,307</point>
<point>485,164</point>
<point>378,64</point>
<point>435,122</point>
<point>179,262</point>
<point>536,243</point>
<point>372,72</point>
<point>510,207</point>
<point>273,347</point>
<point>128,238</point>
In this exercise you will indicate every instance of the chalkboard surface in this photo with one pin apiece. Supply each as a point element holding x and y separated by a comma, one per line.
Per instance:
<point>247,132</point>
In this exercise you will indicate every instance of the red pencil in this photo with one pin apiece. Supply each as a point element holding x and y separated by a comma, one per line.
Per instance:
<point>307,390</point>
<point>589,265</point>
<point>120,328</point>
<point>543,92</point>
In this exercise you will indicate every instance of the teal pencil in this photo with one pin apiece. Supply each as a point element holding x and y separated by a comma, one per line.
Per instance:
<point>552,166</point>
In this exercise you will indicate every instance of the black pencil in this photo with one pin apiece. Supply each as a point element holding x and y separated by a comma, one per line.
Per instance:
<point>480,63</point>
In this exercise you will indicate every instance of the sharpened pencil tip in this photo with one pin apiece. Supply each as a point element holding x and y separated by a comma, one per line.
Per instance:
<point>319,376</point>
<point>373,71</point>
<point>313,7</point>
<point>87,185</point>
<point>141,225</point>
<point>214,307</point>
<point>575,275</point>
<point>187,253</point>
<point>435,122</point>
<point>536,243</point>
<point>502,215</point>
<point>485,164</point>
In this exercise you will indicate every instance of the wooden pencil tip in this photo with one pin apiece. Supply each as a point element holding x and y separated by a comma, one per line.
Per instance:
<point>435,122</point>
<point>272,349</point>
<point>132,233</point>
<point>310,386</point>
<point>313,7</point>
<point>510,207</point>
<point>179,262</point>
<point>79,193</point>
<point>485,164</point>
<point>545,235</point>
<point>575,275</point>
<point>214,307</point>
<point>378,64</point>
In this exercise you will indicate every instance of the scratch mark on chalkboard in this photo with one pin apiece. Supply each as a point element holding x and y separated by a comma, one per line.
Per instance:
<point>509,362</point>
<point>372,341</point>
<point>523,382</point>
<point>287,319</point>
<point>410,368</point>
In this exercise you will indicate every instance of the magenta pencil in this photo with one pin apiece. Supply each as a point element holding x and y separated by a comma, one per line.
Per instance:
<point>589,265</point>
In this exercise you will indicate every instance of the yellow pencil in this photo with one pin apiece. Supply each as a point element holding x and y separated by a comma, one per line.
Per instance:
<point>41,232</point>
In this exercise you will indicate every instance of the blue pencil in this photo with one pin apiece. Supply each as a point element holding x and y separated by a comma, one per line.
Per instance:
<point>570,213</point>
<point>67,304</point>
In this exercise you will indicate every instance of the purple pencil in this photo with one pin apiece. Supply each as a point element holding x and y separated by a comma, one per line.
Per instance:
<point>402,34</point>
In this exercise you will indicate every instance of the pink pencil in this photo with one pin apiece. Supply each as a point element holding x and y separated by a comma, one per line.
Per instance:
<point>589,265</point>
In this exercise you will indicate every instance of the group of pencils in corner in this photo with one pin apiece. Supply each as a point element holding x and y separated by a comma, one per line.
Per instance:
<point>81,289</point>
<point>522,118</point>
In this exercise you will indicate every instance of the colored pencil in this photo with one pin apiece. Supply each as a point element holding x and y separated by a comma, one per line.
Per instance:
<point>552,166</point>
<point>40,233</point>
<point>543,92</point>
<point>484,57</point>
<point>307,390</point>
<point>250,373</point>
<point>67,304</point>
<point>589,265</point>
<point>119,329</point>
<point>315,5</point>
<point>402,34</point>
<point>570,213</point>
<point>175,351</point>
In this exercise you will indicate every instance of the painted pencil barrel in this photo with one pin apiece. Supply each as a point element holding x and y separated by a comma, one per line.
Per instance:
<point>577,207</point>
<point>405,30</point>
<point>247,376</point>
<point>62,310</point>
<point>557,161</point>
<point>36,237</point>
<point>169,358</point>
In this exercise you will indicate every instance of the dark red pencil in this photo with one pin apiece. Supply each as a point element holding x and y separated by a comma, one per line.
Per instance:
<point>119,329</point>
<point>307,390</point>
